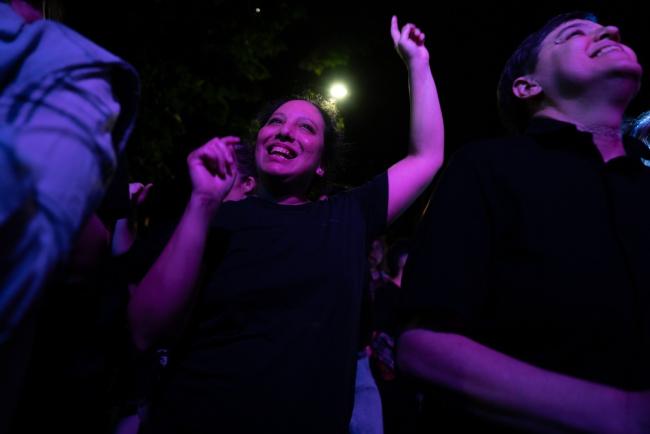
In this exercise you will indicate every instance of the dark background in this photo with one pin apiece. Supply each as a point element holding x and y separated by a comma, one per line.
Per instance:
<point>208,65</point>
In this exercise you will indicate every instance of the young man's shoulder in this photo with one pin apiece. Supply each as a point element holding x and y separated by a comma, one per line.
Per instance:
<point>499,151</point>
<point>495,144</point>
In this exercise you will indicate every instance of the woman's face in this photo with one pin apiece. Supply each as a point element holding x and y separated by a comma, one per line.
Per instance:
<point>290,144</point>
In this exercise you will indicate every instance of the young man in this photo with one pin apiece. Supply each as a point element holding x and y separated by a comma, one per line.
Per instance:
<point>529,282</point>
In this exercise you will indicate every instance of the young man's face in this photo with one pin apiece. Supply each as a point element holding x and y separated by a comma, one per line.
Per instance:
<point>580,53</point>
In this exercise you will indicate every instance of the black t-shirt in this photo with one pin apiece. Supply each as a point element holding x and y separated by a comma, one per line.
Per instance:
<point>273,336</point>
<point>535,247</point>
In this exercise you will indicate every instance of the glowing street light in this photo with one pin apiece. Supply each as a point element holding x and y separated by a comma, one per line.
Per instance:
<point>338,91</point>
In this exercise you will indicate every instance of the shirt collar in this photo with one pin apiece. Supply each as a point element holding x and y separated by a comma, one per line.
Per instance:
<point>552,132</point>
<point>539,126</point>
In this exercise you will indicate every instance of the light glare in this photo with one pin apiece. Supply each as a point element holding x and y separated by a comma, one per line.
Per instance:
<point>338,91</point>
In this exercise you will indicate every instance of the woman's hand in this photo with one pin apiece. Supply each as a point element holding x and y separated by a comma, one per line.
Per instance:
<point>409,42</point>
<point>213,169</point>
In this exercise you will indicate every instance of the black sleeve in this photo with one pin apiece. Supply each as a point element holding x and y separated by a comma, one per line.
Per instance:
<point>445,279</point>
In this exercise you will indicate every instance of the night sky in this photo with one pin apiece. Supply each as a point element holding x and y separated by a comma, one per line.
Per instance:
<point>468,44</point>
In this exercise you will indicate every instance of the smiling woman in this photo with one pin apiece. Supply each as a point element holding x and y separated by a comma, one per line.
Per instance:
<point>289,149</point>
<point>268,290</point>
<point>296,148</point>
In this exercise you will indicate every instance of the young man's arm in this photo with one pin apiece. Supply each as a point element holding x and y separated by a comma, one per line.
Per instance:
<point>518,393</point>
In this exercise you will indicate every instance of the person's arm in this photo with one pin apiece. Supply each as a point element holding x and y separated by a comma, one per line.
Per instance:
<point>409,177</point>
<point>160,301</point>
<point>126,228</point>
<point>518,393</point>
<point>91,246</point>
<point>56,168</point>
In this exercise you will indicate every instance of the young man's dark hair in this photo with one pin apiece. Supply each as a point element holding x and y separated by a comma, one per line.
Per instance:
<point>514,111</point>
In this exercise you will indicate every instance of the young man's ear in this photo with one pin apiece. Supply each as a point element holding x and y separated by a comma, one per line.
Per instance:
<point>249,184</point>
<point>526,87</point>
<point>320,171</point>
